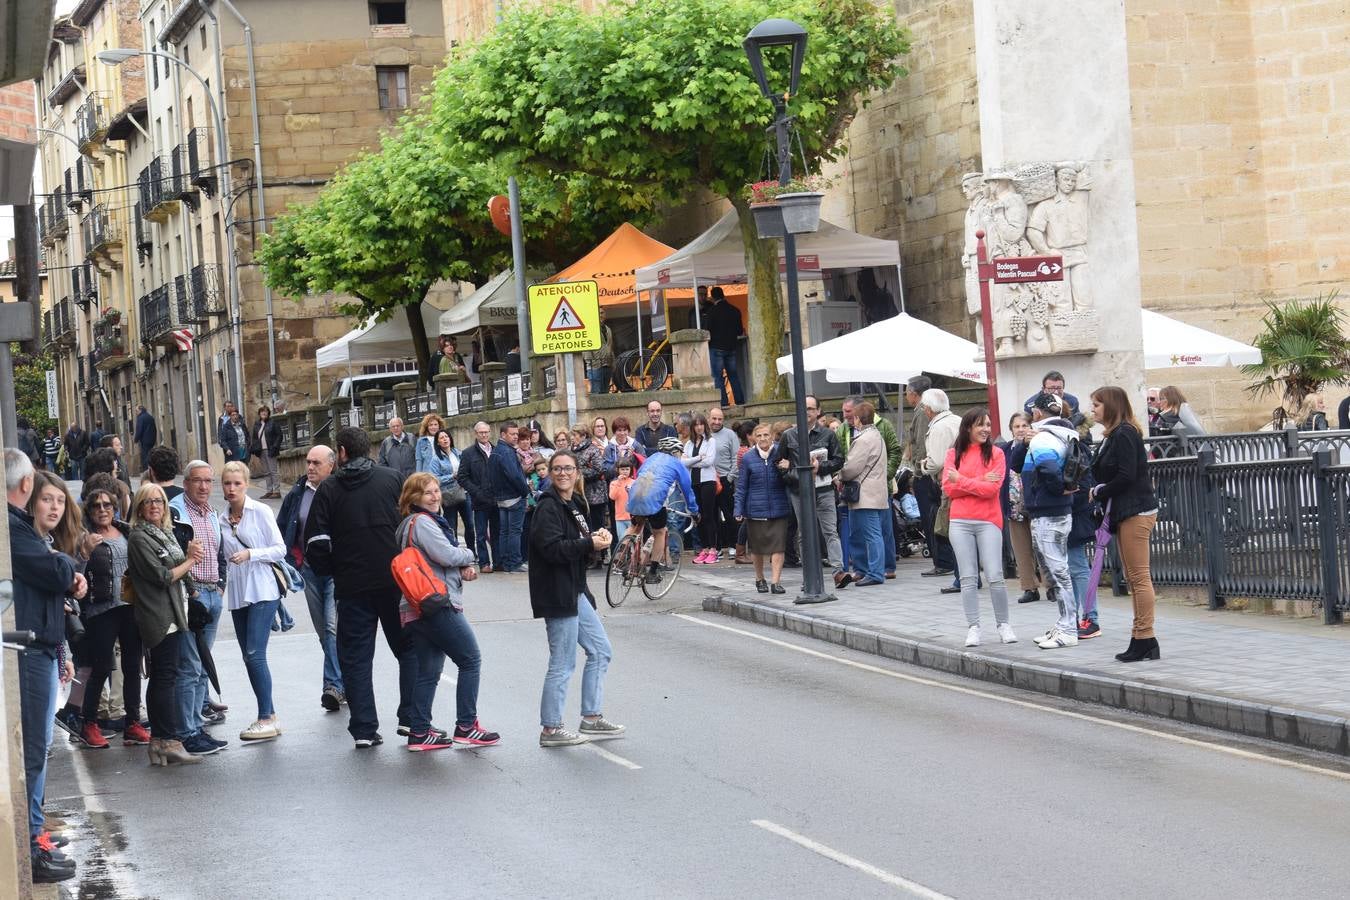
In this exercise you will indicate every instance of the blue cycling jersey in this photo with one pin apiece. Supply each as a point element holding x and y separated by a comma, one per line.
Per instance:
<point>655,477</point>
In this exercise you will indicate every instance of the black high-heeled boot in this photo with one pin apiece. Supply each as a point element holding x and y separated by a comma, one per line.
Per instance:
<point>1140,649</point>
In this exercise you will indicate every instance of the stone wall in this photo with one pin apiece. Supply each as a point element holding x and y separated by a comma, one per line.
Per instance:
<point>906,154</point>
<point>318,107</point>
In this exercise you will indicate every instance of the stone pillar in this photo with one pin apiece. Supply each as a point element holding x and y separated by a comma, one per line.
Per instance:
<point>402,391</point>
<point>488,372</point>
<point>369,400</point>
<point>439,383</point>
<point>693,366</point>
<point>318,414</point>
<point>336,407</point>
<point>1054,88</point>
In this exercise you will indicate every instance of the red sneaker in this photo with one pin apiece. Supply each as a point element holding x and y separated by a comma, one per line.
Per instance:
<point>135,735</point>
<point>92,737</point>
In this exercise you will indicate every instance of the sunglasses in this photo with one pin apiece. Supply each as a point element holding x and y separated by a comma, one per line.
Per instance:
<point>101,505</point>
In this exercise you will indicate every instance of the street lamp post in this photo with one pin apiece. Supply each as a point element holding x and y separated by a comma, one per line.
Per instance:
<point>785,33</point>
<point>120,55</point>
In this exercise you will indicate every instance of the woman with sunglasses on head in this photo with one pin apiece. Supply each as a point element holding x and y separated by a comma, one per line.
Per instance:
<point>444,465</point>
<point>158,568</point>
<point>252,542</point>
<point>108,620</point>
<point>425,449</point>
<point>561,546</point>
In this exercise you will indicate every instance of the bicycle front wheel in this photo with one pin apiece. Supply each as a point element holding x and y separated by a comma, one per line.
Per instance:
<point>657,587</point>
<point>618,581</point>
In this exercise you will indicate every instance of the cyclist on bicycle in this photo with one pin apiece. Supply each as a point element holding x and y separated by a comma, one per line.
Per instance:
<point>647,494</point>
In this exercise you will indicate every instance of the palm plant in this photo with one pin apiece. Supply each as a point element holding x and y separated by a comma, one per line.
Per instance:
<point>1303,347</point>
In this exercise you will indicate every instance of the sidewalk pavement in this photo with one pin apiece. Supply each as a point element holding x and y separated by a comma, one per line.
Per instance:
<point>1264,676</point>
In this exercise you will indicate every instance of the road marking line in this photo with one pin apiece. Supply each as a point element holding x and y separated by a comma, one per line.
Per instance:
<point>882,875</point>
<point>1026,704</point>
<point>613,757</point>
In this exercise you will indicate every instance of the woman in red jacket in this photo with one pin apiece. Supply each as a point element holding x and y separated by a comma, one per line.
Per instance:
<point>972,476</point>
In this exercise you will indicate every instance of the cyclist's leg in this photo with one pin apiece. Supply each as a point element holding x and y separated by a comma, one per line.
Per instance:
<point>657,523</point>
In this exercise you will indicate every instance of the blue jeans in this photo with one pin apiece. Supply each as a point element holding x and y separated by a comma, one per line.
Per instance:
<point>446,633</point>
<point>1079,573</point>
<point>564,634</point>
<point>37,710</point>
<point>845,536</point>
<point>463,512</point>
<point>253,626</point>
<point>485,527</point>
<point>506,546</point>
<point>599,378</point>
<point>51,461</point>
<point>77,470</point>
<point>868,547</point>
<point>357,621</point>
<point>323,613</point>
<point>726,359</point>
<point>193,683</point>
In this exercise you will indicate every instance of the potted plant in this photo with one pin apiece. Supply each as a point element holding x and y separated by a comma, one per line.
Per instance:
<point>792,208</point>
<point>763,197</point>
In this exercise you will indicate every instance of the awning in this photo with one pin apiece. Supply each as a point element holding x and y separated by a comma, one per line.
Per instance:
<point>612,263</point>
<point>377,342</point>
<point>1170,344</point>
<point>891,352</point>
<point>492,304</point>
<point>718,255</point>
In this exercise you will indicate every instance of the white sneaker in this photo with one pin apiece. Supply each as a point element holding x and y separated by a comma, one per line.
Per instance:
<point>1057,639</point>
<point>1005,633</point>
<point>973,636</point>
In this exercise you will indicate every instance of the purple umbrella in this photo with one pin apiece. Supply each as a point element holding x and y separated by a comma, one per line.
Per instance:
<point>1098,560</point>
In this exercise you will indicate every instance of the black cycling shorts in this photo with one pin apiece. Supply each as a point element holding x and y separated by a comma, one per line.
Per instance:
<point>657,520</point>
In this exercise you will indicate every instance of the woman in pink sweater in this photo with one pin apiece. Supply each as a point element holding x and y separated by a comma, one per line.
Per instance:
<point>972,476</point>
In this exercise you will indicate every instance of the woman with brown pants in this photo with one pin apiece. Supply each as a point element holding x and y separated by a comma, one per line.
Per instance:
<point>1121,471</point>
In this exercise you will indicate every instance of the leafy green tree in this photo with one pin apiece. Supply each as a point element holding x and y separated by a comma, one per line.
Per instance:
<point>30,387</point>
<point>393,222</point>
<point>656,97</point>
<point>1303,347</point>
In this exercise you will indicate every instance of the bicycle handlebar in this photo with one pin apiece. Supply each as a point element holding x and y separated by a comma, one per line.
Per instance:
<point>17,640</point>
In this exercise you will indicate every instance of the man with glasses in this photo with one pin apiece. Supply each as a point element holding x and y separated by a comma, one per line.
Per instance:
<point>477,481</point>
<point>319,464</point>
<point>509,490</point>
<point>193,519</point>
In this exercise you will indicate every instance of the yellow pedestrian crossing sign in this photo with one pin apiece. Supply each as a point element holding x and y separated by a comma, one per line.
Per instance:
<point>564,317</point>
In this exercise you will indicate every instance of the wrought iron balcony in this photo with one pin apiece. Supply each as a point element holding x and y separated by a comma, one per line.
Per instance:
<point>91,122</point>
<point>63,322</point>
<point>110,344</point>
<point>153,183</point>
<point>199,163</point>
<point>53,215</point>
<point>206,284</point>
<point>145,247</point>
<point>156,320</point>
<point>102,232</point>
<point>180,186</point>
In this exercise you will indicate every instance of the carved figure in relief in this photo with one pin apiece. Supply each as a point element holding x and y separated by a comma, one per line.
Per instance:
<point>1007,217</point>
<point>1059,226</point>
<point>972,186</point>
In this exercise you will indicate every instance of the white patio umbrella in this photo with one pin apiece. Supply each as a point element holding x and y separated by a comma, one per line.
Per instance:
<point>1170,344</point>
<point>892,351</point>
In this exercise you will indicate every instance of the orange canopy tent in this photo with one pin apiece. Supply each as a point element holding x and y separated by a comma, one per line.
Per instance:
<point>614,262</point>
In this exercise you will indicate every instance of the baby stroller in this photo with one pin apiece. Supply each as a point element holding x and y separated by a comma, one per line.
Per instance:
<point>909,535</point>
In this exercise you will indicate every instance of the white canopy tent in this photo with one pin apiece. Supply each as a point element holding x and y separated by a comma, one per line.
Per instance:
<point>892,351</point>
<point>718,255</point>
<point>492,304</point>
<point>378,342</point>
<point>1170,344</point>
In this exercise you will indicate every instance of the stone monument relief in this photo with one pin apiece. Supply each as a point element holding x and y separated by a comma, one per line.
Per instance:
<point>1037,209</point>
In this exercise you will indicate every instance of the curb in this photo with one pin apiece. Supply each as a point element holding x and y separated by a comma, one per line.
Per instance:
<point>1308,730</point>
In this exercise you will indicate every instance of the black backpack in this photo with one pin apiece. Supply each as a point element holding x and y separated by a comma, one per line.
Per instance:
<point>1077,460</point>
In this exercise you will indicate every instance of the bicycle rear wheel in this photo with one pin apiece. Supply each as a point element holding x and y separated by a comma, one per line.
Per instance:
<point>618,583</point>
<point>666,576</point>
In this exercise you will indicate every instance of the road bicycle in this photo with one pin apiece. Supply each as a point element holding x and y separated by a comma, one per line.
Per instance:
<point>644,369</point>
<point>630,562</point>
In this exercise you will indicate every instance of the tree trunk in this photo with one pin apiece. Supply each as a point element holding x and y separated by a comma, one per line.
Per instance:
<point>418,330</point>
<point>765,327</point>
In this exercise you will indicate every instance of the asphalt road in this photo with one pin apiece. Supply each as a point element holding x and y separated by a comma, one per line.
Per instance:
<point>757,764</point>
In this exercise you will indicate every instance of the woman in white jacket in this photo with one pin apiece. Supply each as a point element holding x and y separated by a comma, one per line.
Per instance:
<point>252,542</point>
<point>700,456</point>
